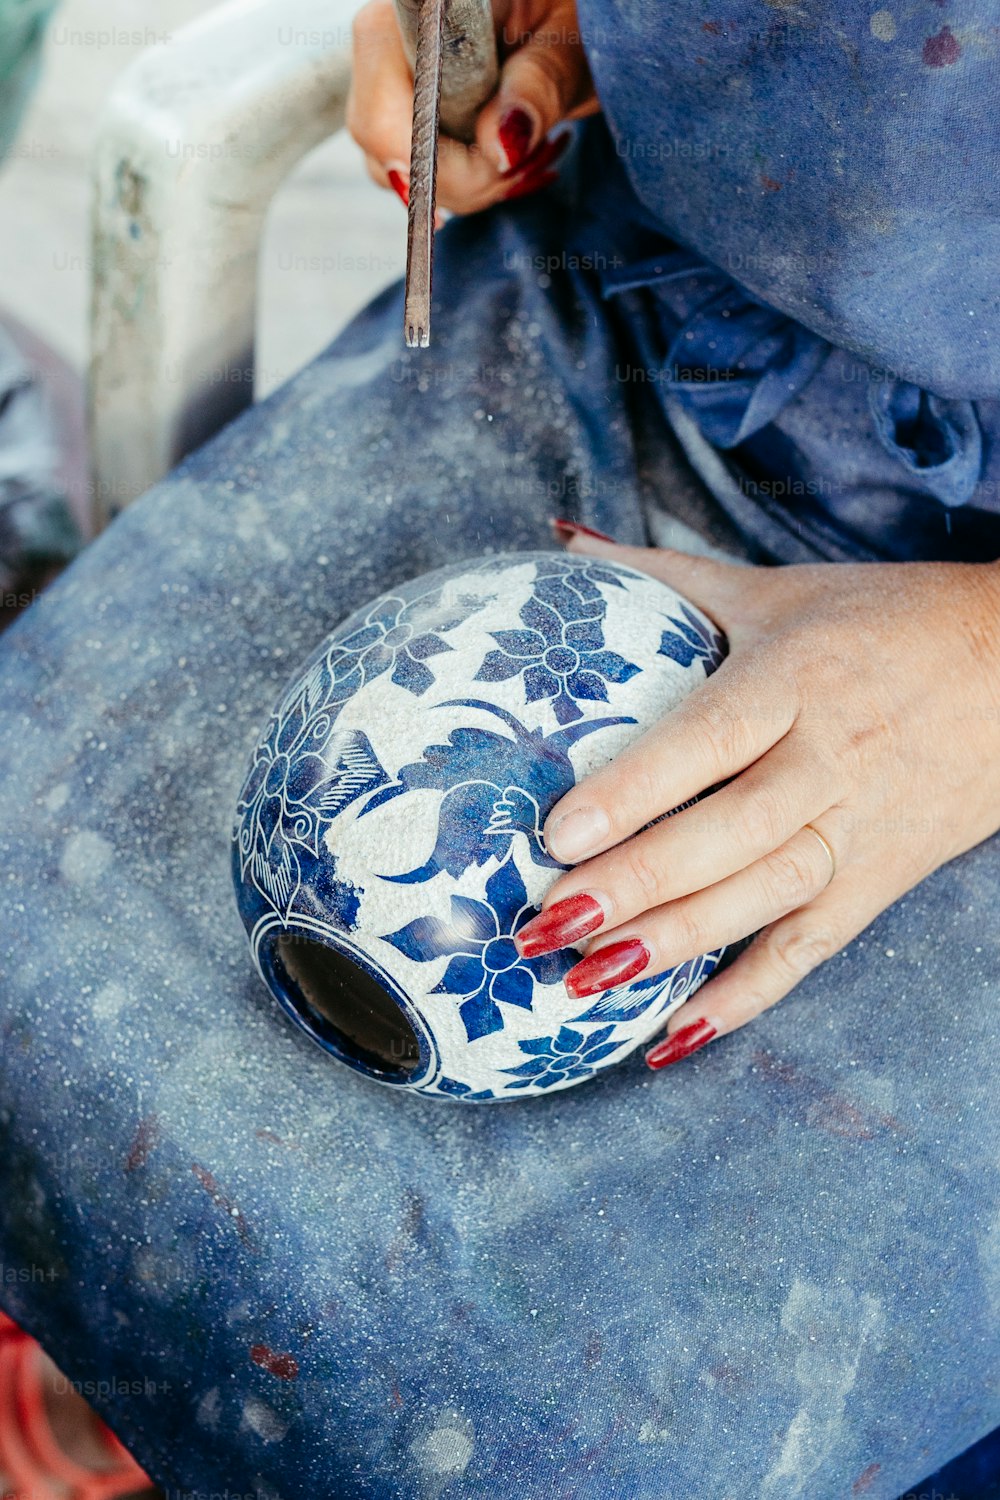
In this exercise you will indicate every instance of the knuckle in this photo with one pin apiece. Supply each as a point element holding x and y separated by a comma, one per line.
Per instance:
<point>725,740</point>
<point>643,780</point>
<point>687,936</point>
<point>764,821</point>
<point>798,949</point>
<point>554,79</point>
<point>758,1001</point>
<point>790,875</point>
<point>645,875</point>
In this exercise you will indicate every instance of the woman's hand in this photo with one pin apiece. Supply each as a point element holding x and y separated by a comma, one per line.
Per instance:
<point>544,79</point>
<point>856,726</point>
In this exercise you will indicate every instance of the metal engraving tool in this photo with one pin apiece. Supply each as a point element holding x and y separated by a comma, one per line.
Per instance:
<point>451,49</point>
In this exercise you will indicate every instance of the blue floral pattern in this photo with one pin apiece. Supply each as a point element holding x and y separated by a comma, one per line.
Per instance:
<point>317,850</point>
<point>455,1089</point>
<point>561,653</point>
<point>304,773</point>
<point>691,638</point>
<point>564,1058</point>
<point>485,967</point>
<point>641,995</point>
<point>484,775</point>
<point>587,572</point>
<point>393,637</point>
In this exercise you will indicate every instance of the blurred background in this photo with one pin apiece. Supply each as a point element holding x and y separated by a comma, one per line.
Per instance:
<point>332,241</point>
<point>329,206</point>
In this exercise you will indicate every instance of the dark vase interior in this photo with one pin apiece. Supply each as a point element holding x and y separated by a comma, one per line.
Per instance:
<point>349,1006</point>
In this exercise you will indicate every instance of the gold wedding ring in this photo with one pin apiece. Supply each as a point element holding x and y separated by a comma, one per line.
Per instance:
<point>829,852</point>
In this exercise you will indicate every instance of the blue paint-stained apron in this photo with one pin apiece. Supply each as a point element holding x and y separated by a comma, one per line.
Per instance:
<point>772,1275</point>
<point>820,300</point>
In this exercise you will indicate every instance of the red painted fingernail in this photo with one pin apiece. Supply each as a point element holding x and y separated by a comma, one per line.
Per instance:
<point>566,530</point>
<point>400,186</point>
<point>564,922</point>
<point>607,967</point>
<point>531,184</point>
<point>684,1041</point>
<point>546,154</point>
<point>516,131</point>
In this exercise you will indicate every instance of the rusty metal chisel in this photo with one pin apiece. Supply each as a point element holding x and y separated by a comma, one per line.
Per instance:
<point>451,49</point>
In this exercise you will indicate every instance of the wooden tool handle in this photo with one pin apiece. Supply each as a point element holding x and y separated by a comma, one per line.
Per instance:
<point>469,65</point>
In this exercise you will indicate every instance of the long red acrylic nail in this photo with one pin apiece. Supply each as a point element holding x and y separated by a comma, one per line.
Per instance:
<point>566,530</point>
<point>400,186</point>
<point>516,131</point>
<point>564,922</point>
<point>684,1041</point>
<point>545,154</point>
<point>614,964</point>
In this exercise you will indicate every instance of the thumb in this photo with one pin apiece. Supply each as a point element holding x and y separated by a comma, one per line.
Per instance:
<point>545,80</point>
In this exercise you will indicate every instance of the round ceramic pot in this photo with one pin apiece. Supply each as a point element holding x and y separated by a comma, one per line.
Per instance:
<point>388,843</point>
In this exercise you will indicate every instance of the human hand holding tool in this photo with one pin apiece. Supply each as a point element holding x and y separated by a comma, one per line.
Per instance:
<point>507,74</point>
<point>451,48</point>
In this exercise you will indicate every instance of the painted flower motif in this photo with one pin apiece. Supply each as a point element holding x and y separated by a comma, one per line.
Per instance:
<point>304,772</point>
<point>587,574</point>
<point>562,1058</point>
<point>485,968</point>
<point>392,636</point>
<point>561,652</point>
<point>691,638</point>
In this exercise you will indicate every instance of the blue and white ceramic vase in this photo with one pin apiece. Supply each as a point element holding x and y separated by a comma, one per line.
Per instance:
<point>388,842</point>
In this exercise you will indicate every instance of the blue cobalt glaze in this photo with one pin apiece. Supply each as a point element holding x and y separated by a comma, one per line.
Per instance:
<point>388,844</point>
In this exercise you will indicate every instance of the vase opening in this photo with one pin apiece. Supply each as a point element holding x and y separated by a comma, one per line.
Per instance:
<point>348,1005</point>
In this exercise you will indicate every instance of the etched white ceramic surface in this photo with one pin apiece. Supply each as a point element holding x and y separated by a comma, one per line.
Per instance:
<point>389,833</point>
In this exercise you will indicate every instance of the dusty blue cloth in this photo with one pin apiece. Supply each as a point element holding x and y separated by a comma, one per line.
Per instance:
<point>769,1274</point>
<point>821,191</point>
<point>973,1476</point>
<point>762,1275</point>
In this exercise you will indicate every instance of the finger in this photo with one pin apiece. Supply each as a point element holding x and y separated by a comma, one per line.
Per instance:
<point>467,181</point>
<point>791,785</point>
<point>780,957</point>
<point>394,175</point>
<point>782,881</point>
<point>714,586</point>
<point>543,81</point>
<point>380,102</point>
<point>380,118</point>
<point>725,725</point>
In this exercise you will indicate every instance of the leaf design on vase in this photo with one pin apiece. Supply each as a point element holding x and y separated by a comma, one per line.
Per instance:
<point>692,638</point>
<point>642,996</point>
<point>291,794</point>
<point>484,775</point>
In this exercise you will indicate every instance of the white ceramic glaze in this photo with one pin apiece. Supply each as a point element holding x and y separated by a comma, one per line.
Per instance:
<point>394,809</point>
